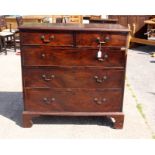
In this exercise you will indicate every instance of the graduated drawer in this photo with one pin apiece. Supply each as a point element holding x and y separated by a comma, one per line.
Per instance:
<point>47,38</point>
<point>93,39</point>
<point>73,100</point>
<point>56,77</point>
<point>48,56</point>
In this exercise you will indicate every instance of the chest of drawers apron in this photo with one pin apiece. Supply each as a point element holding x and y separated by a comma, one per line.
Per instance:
<point>73,70</point>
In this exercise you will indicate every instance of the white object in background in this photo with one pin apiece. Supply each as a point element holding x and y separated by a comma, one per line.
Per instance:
<point>104,16</point>
<point>50,20</point>
<point>151,38</point>
<point>85,21</point>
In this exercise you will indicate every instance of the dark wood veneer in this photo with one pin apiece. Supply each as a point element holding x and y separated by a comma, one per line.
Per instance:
<point>48,38</point>
<point>31,27</point>
<point>62,75</point>
<point>48,56</point>
<point>74,77</point>
<point>73,100</point>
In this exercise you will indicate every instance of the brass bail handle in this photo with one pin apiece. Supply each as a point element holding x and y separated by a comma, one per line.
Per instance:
<point>100,101</point>
<point>100,80</point>
<point>45,78</point>
<point>105,40</point>
<point>47,40</point>
<point>98,40</point>
<point>48,100</point>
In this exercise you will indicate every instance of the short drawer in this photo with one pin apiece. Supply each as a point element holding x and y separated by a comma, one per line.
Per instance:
<point>56,77</point>
<point>48,56</point>
<point>47,38</point>
<point>73,100</point>
<point>93,39</point>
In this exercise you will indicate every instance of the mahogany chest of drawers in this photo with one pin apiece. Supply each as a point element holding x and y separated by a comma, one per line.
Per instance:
<point>73,70</point>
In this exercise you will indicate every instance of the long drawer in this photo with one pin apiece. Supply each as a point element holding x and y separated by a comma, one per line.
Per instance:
<point>72,77</point>
<point>73,100</point>
<point>48,56</point>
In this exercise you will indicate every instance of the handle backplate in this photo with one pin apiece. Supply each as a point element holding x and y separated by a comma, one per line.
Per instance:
<point>48,100</point>
<point>47,40</point>
<point>100,101</point>
<point>48,78</point>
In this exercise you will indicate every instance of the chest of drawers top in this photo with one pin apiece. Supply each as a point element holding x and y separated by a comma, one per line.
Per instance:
<point>72,35</point>
<point>74,27</point>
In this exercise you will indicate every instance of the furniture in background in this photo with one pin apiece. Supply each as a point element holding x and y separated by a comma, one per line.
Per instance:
<point>136,25</point>
<point>4,27</point>
<point>75,19</point>
<point>39,19</point>
<point>72,70</point>
<point>33,19</point>
<point>134,22</point>
<point>26,19</point>
<point>7,40</point>
<point>7,36</point>
<point>149,34</point>
<point>59,20</point>
<point>11,20</point>
<point>99,19</point>
<point>150,29</point>
<point>92,17</point>
<point>19,20</point>
<point>86,18</point>
<point>103,21</point>
<point>72,19</point>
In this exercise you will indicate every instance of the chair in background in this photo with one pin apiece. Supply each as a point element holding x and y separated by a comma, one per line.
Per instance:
<point>7,36</point>
<point>47,19</point>
<point>19,20</point>
<point>59,20</point>
<point>7,40</point>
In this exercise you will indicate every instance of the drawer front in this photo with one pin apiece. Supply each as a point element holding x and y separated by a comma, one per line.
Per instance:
<point>72,78</point>
<point>77,100</point>
<point>47,38</point>
<point>108,39</point>
<point>48,56</point>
